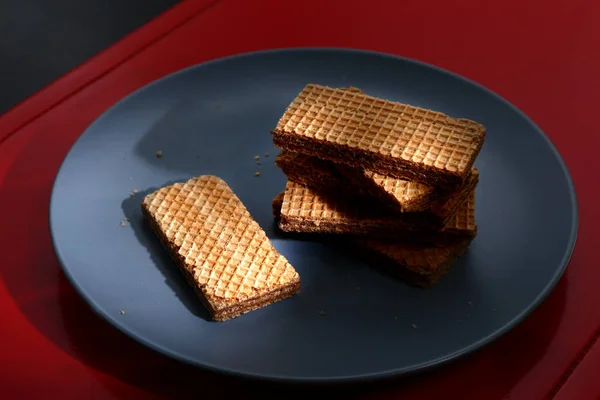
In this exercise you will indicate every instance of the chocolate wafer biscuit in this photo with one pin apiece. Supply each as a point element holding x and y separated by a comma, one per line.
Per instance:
<point>385,137</point>
<point>305,210</point>
<point>223,253</point>
<point>417,264</point>
<point>421,203</point>
<point>325,178</point>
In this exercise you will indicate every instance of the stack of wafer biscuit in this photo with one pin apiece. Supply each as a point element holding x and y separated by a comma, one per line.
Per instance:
<point>396,180</point>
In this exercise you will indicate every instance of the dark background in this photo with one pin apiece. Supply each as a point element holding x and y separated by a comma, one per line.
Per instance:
<point>41,40</point>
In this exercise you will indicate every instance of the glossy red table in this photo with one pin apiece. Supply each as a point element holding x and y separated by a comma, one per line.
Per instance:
<point>540,55</point>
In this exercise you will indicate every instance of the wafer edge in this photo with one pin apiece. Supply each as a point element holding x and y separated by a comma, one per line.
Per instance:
<point>386,232</point>
<point>332,181</point>
<point>362,159</point>
<point>412,276</point>
<point>329,183</point>
<point>439,213</point>
<point>448,208</point>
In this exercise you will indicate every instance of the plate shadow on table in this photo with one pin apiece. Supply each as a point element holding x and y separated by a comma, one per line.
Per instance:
<point>160,256</point>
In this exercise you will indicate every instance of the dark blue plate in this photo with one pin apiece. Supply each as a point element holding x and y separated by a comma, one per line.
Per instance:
<point>214,118</point>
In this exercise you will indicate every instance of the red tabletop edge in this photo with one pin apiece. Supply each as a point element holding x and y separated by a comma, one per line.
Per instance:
<point>584,378</point>
<point>559,348</point>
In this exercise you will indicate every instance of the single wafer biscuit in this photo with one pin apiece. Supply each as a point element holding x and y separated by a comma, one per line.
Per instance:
<point>221,250</point>
<point>305,210</point>
<point>435,207</point>
<point>417,264</point>
<point>325,178</point>
<point>389,138</point>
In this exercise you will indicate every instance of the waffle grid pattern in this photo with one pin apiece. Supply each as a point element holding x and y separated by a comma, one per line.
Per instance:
<point>229,254</point>
<point>465,216</point>
<point>402,190</point>
<point>419,258</point>
<point>413,134</point>
<point>305,203</point>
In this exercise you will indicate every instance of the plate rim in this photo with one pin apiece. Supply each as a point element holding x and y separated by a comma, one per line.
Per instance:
<point>368,377</point>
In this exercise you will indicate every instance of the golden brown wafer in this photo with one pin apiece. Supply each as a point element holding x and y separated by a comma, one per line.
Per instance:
<point>305,210</point>
<point>411,197</point>
<point>221,250</point>
<point>385,137</point>
<point>400,194</point>
<point>324,176</point>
